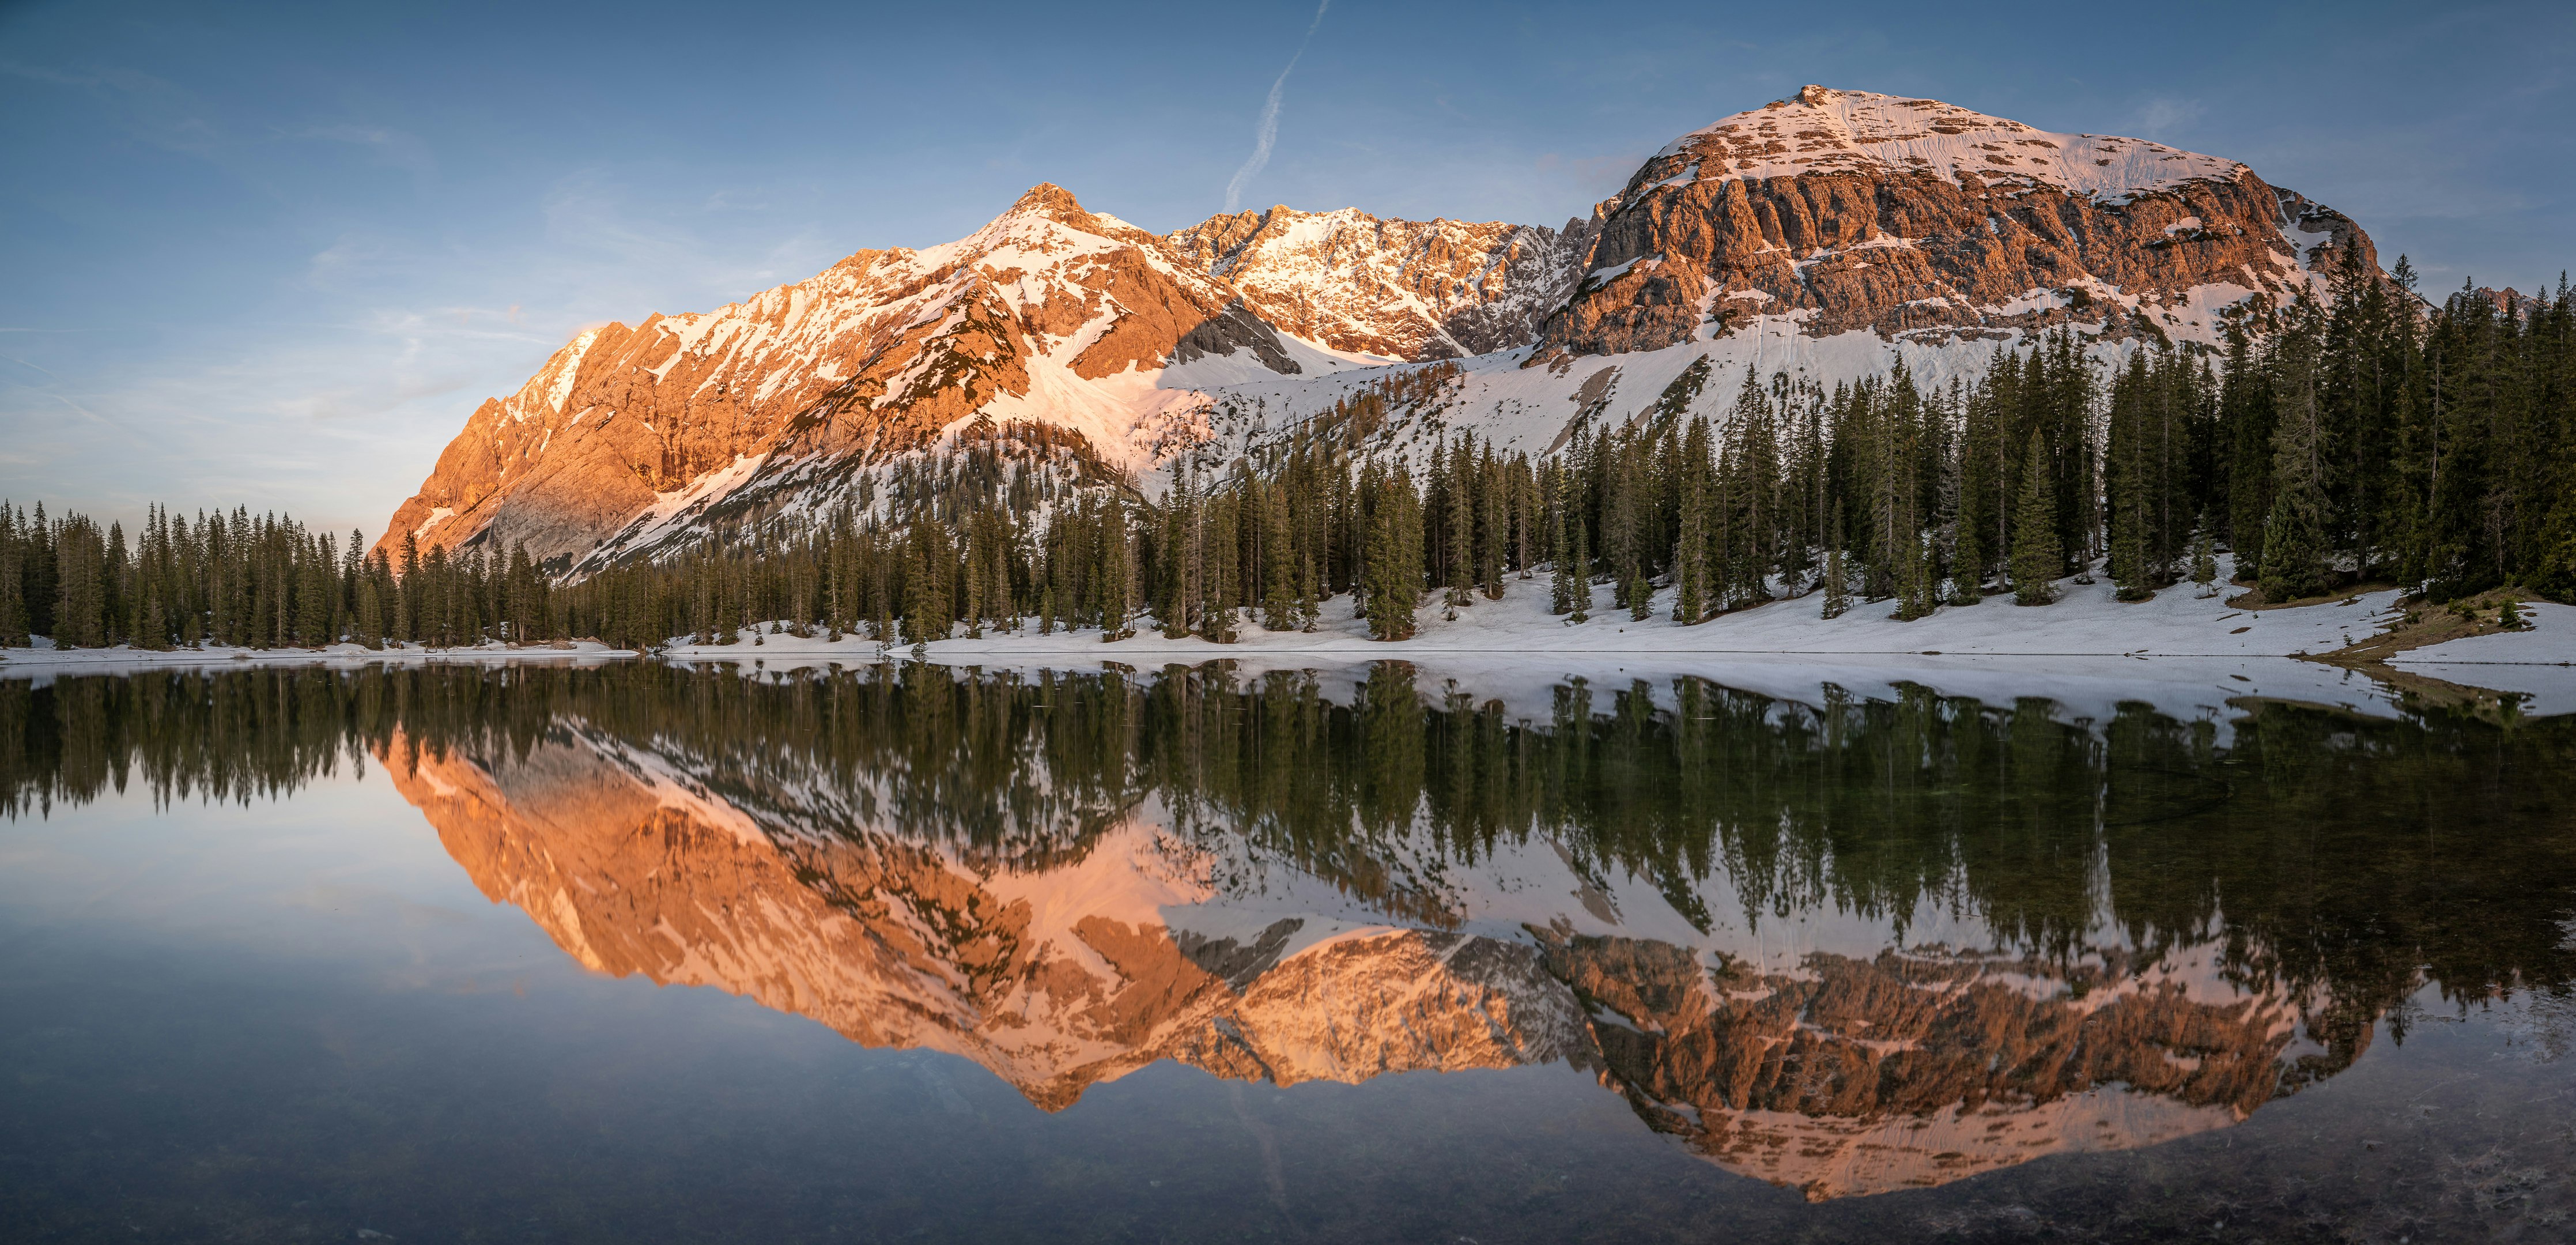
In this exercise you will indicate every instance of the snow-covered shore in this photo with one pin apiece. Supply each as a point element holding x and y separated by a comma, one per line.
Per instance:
<point>45,662</point>
<point>2086,621</point>
<point>2539,661</point>
<point>2186,654</point>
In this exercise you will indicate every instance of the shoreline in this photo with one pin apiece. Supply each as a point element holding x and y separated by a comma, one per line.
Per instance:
<point>2184,653</point>
<point>16,663</point>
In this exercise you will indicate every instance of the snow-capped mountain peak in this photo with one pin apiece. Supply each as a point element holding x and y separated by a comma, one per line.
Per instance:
<point>1824,130</point>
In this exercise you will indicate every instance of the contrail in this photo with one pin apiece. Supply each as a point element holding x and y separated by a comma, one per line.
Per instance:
<point>1268,131</point>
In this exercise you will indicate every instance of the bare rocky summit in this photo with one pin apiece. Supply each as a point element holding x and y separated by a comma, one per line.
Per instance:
<point>1898,216</point>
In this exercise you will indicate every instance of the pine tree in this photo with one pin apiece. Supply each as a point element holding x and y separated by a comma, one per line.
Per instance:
<point>1582,565</point>
<point>1461,537</point>
<point>2204,558</point>
<point>13,599</point>
<point>1967,564</point>
<point>1837,579</point>
<point>1691,544</point>
<point>1281,593</point>
<point>1563,578</point>
<point>2128,543</point>
<point>2245,407</point>
<point>2294,535</point>
<point>1923,592</point>
<point>80,602</point>
<point>2036,555</point>
<point>1395,560</point>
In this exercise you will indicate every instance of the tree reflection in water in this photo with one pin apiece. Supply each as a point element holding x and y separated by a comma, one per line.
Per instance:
<point>1851,945</point>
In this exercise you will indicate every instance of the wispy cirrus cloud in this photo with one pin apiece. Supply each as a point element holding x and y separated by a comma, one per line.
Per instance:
<point>2163,118</point>
<point>1265,132</point>
<point>393,147</point>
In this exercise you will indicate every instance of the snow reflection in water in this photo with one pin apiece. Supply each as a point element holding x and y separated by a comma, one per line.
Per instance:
<point>1844,946</point>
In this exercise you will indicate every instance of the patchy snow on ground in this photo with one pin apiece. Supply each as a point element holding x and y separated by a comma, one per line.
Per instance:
<point>2187,655</point>
<point>2085,621</point>
<point>1527,684</point>
<point>2539,662</point>
<point>2550,640</point>
<point>45,662</point>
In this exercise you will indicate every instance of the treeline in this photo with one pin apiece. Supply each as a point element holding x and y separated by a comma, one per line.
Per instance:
<point>1794,488</point>
<point>251,581</point>
<point>988,536</point>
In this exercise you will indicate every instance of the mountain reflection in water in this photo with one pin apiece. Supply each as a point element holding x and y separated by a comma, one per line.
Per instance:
<point>1846,946</point>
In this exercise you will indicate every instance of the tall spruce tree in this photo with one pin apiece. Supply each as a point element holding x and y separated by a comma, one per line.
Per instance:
<point>2036,555</point>
<point>2295,549</point>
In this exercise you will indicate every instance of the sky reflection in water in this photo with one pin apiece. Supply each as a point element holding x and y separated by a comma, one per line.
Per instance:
<point>1339,956</point>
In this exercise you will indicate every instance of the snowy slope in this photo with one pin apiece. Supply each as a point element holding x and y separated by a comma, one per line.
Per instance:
<point>1824,130</point>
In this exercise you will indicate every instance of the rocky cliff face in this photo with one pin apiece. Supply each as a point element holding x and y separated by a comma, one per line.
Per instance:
<point>1396,289</point>
<point>1049,315</point>
<point>1851,210</point>
<point>1093,352</point>
<point>1833,1071</point>
<point>628,430</point>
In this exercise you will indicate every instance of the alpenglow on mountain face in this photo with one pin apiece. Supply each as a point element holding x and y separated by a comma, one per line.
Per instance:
<point>1831,235</point>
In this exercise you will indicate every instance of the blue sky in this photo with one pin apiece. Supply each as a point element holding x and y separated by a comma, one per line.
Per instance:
<point>274,255</point>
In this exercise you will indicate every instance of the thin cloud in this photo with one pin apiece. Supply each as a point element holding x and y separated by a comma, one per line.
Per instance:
<point>1266,132</point>
<point>394,147</point>
<point>2162,117</point>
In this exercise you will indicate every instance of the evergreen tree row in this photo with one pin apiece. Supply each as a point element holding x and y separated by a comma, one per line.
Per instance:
<point>251,582</point>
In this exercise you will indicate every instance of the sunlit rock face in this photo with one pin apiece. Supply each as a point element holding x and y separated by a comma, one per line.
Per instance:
<point>627,434</point>
<point>1852,210</point>
<point>1835,1051</point>
<point>1389,288</point>
<point>1087,342</point>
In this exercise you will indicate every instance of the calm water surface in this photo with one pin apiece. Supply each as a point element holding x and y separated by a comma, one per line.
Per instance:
<point>638,953</point>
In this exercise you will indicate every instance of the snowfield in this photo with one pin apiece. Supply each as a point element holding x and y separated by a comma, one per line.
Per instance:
<point>45,662</point>
<point>2184,654</point>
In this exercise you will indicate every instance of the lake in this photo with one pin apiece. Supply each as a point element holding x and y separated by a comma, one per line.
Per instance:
<point>641,952</point>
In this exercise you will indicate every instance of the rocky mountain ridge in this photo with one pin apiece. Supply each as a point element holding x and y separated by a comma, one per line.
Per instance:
<point>1831,233</point>
<point>1394,289</point>
<point>1854,211</point>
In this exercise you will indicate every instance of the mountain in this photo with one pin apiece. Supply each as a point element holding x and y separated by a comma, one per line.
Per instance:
<point>1395,289</point>
<point>1831,234</point>
<point>1910,217</point>
<point>1050,316</point>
